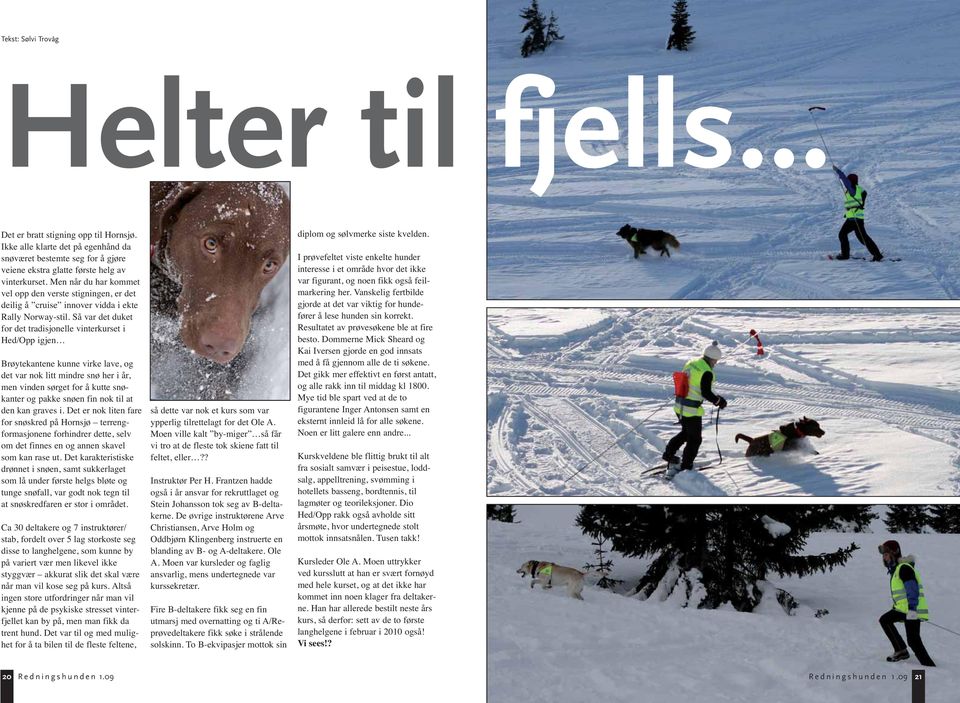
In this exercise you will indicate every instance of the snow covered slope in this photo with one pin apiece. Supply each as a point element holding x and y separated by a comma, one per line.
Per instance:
<point>881,382</point>
<point>545,646</point>
<point>886,71</point>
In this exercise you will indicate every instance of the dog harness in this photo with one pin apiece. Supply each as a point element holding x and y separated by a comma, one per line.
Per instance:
<point>777,440</point>
<point>542,568</point>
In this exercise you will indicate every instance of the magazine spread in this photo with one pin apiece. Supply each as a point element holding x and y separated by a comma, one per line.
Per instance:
<point>518,350</point>
<point>242,322</point>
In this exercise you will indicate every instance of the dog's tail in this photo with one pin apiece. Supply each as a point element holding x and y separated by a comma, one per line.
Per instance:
<point>672,241</point>
<point>747,439</point>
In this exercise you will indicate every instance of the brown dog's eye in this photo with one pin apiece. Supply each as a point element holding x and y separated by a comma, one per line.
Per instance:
<point>270,267</point>
<point>210,245</point>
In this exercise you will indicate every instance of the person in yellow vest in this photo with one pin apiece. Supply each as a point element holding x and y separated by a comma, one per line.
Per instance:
<point>689,410</point>
<point>854,201</point>
<point>909,604</point>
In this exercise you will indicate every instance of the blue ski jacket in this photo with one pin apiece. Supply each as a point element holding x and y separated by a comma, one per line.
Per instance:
<point>852,189</point>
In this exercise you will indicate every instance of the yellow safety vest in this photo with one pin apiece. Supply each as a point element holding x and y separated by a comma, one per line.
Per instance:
<point>899,593</point>
<point>853,204</point>
<point>691,405</point>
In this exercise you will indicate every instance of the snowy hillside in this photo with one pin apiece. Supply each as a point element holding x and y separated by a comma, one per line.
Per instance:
<point>545,646</point>
<point>563,385</point>
<point>885,70</point>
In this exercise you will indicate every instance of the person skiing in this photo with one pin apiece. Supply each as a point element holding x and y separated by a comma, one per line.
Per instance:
<point>689,410</point>
<point>854,200</point>
<point>909,604</point>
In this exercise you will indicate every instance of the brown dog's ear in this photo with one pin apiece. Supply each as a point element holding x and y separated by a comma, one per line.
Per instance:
<point>167,199</point>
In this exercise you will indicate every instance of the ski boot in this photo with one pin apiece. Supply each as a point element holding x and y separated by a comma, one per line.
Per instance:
<point>841,257</point>
<point>673,463</point>
<point>878,257</point>
<point>899,656</point>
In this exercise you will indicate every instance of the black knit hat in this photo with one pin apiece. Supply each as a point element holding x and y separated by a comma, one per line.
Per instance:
<point>891,546</point>
<point>853,178</point>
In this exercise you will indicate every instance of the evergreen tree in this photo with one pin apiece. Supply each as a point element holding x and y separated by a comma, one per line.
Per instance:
<point>542,33</point>
<point>681,35</point>
<point>945,518</point>
<point>501,513</point>
<point>603,564</point>
<point>852,518</point>
<point>906,518</point>
<point>716,554</point>
<point>553,30</point>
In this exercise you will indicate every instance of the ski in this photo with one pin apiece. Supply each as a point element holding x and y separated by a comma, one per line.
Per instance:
<point>655,469</point>
<point>703,466</point>
<point>833,257</point>
<point>662,468</point>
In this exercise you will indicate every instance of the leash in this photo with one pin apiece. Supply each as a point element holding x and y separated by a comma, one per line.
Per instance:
<point>810,111</point>
<point>615,441</point>
<point>716,422</point>
<point>944,628</point>
<point>817,125</point>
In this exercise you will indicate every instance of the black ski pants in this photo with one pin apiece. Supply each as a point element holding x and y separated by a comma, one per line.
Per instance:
<point>855,225</point>
<point>912,627</point>
<point>690,434</point>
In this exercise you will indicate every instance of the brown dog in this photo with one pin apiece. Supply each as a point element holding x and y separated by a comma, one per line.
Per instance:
<point>786,438</point>
<point>219,243</point>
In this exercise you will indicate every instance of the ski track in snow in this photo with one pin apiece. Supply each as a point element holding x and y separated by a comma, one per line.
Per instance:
<point>545,646</point>
<point>744,234</point>
<point>577,398</point>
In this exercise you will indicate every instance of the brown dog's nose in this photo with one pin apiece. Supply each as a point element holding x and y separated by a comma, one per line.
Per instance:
<point>221,344</point>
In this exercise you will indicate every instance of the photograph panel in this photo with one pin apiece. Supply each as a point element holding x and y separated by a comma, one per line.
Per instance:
<point>219,290</point>
<point>787,602</point>
<point>743,151</point>
<point>798,402</point>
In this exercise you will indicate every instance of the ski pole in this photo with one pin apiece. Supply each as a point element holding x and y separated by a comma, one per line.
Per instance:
<point>817,125</point>
<point>632,429</point>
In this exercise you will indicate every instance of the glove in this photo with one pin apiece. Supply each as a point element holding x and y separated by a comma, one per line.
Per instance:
<point>721,402</point>
<point>912,615</point>
<point>837,171</point>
